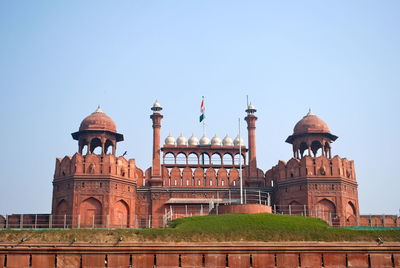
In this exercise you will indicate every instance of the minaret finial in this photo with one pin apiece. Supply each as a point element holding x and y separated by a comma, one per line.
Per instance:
<point>156,107</point>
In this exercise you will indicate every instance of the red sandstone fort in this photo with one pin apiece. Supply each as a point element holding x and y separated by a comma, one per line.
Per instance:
<point>201,176</point>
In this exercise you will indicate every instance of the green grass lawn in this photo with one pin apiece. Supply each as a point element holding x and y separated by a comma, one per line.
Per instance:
<point>219,228</point>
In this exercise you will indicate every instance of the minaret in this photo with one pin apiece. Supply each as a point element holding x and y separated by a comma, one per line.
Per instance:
<point>251,127</point>
<point>156,179</point>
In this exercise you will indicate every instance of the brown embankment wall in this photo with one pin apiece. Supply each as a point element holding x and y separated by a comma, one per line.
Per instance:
<point>237,255</point>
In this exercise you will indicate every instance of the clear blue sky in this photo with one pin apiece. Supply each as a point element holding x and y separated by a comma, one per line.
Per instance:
<point>60,59</point>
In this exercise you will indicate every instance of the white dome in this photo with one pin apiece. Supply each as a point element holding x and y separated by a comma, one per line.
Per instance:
<point>193,140</point>
<point>227,141</point>
<point>181,140</point>
<point>216,140</point>
<point>156,105</point>
<point>204,141</point>
<point>170,140</point>
<point>236,142</point>
<point>251,107</point>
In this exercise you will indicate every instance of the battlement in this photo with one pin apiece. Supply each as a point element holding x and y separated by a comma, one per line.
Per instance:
<point>94,164</point>
<point>312,167</point>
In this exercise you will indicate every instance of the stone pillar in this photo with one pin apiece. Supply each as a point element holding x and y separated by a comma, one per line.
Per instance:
<point>156,117</point>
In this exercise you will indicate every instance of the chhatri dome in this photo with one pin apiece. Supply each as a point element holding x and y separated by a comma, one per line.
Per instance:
<point>204,140</point>
<point>98,120</point>
<point>181,140</point>
<point>227,141</point>
<point>238,141</point>
<point>216,141</point>
<point>169,140</point>
<point>310,123</point>
<point>193,140</point>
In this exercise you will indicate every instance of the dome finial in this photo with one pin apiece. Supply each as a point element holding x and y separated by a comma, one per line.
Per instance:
<point>98,110</point>
<point>309,112</point>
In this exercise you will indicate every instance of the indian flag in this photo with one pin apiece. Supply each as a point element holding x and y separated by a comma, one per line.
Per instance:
<point>202,110</point>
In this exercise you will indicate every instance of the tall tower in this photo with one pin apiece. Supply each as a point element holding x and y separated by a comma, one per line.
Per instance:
<point>313,183</point>
<point>94,187</point>
<point>156,179</point>
<point>251,118</point>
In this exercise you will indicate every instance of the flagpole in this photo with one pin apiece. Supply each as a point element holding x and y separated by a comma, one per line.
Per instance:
<point>204,127</point>
<point>240,168</point>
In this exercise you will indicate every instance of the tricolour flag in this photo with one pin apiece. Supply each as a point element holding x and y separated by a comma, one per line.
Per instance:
<point>202,110</point>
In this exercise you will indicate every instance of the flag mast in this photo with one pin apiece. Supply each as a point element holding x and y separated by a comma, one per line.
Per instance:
<point>240,160</point>
<point>240,167</point>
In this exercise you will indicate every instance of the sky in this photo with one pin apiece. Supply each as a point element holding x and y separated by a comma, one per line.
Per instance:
<point>59,60</point>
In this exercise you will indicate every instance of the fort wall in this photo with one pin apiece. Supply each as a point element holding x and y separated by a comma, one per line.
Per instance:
<point>235,254</point>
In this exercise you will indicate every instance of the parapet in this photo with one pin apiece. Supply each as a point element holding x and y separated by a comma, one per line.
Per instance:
<point>93,164</point>
<point>312,167</point>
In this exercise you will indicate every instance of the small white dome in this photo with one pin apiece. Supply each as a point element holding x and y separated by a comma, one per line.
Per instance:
<point>170,140</point>
<point>157,104</point>
<point>181,140</point>
<point>204,141</point>
<point>156,107</point>
<point>251,109</point>
<point>216,141</point>
<point>227,141</point>
<point>193,140</point>
<point>238,141</point>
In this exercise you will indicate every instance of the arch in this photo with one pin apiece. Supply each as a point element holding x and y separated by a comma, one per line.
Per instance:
<point>350,209</point>
<point>303,147</point>
<point>62,208</point>
<point>108,145</point>
<point>91,212</point>
<point>181,159</point>
<point>121,214</point>
<point>351,214</point>
<point>315,147</point>
<point>326,210</point>
<point>95,146</point>
<point>193,159</point>
<point>216,159</point>
<point>85,149</point>
<point>327,149</point>
<point>227,159</point>
<point>238,158</point>
<point>204,159</point>
<point>169,158</point>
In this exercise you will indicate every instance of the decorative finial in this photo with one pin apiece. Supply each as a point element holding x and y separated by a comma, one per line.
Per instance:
<point>98,110</point>
<point>156,107</point>
<point>309,112</point>
<point>251,109</point>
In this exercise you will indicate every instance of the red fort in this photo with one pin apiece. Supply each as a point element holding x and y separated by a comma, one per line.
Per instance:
<point>201,176</point>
